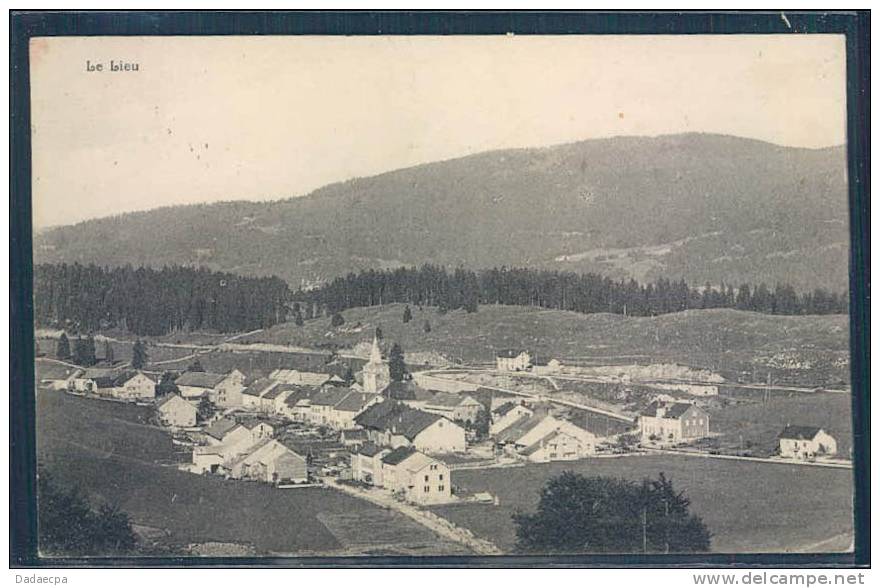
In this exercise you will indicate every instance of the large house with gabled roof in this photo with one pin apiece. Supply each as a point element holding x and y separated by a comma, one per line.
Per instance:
<point>224,390</point>
<point>394,424</point>
<point>669,423</point>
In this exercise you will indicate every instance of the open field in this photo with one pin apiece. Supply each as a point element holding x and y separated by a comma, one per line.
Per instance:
<point>749,507</point>
<point>760,423</point>
<point>100,447</point>
<point>808,350</point>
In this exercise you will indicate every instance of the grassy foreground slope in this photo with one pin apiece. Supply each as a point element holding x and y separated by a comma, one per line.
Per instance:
<point>748,507</point>
<point>806,350</point>
<point>105,449</point>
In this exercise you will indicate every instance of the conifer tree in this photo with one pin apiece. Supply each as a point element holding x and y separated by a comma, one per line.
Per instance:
<point>396,363</point>
<point>407,314</point>
<point>139,355</point>
<point>62,350</point>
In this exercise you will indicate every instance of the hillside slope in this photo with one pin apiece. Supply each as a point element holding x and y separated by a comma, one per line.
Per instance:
<point>805,350</point>
<point>702,207</point>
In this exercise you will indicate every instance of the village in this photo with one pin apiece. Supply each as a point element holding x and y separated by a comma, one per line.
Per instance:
<point>404,439</point>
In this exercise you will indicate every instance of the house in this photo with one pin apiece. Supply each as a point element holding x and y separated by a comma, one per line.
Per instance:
<point>270,461</point>
<point>259,428</point>
<point>805,443</point>
<point>229,438</point>
<point>513,360</point>
<point>273,401</point>
<point>224,390</point>
<point>394,424</point>
<point>298,378</point>
<point>669,423</point>
<point>322,403</point>
<point>366,463</point>
<point>251,396</point>
<point>351,405</point>
<point>543,367</point>
<point>417,477</point>
<point>507,414</point>
<point>298,404</point>
<point>541,437</point>
<point>96,380</point>
<point>376,374</point>
<point>134,386</point>
<point>558,445</point>
<point>455,407</point>
<point>174,411</point>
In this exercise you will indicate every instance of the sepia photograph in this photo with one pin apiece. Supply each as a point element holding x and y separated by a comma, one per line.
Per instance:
<point>302,296</point>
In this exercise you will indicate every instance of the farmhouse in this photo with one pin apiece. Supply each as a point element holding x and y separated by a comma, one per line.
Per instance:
<point>259,428</point>
<point>224,390</point>
<point>96,380</point>
<point>455,407</point>
<point>395,424</point>
<point>174,411</point>
<point>541,437</point>
<point>251,397</point>
<point>805,443</point>
<point>513,360</point>
<point>353,404</point>
<point>419,478</point>
<point>366,463</point>
<point>298,404</point>
<point>322,404</point>
<point>134,386</point>
<point>273,400</point>
<point>270,461</point>
<point>668,423</point>
<point>507,414</point>
<point>542,366</point>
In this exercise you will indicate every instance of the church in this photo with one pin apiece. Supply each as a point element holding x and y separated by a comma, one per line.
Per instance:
<point>376,373</point>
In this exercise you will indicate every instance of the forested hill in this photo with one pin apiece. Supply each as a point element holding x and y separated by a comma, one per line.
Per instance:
<point>706,208</point>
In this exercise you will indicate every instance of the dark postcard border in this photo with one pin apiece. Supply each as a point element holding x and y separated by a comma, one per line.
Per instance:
<point>26,24</point>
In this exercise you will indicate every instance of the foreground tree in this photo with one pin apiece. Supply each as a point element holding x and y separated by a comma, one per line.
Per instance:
<point>579,514</point>
<point>139,355</point>
<point>62,350</point>
<point>68,525</point>
<point>396,363</point>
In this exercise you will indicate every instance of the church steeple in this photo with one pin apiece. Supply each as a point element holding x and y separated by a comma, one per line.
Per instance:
<point>375,354</point>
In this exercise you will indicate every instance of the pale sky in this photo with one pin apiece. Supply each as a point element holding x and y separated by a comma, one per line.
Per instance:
<point>258,118</point>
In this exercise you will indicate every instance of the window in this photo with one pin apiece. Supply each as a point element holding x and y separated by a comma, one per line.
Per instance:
<point>441,477</point>
<point>427,489</point>
<point>441,488</point>
<point>426,478</point>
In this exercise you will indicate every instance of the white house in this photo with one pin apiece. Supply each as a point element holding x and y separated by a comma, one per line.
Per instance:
<point>270,461</point>
<point>805,443</point>
<point>134,386</point>
<point>174,411</point>
<point>669,423</point>
<point>224,390</point>
<point>513,360</point>
<point>542,437</point>
<point>251,396</point>
<point>419,478</point>
<point>366,463</point>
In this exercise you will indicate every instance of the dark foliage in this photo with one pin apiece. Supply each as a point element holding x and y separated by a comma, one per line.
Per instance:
<point>205,410</point>
<point>336,320</point>
<point>166,385</point>
<point>139,355</point>
<point>69,526</point>
<point>587,293</point>
<point>396,364</point>
<point>62,350</point>
<point>579,514</point>
<point>407,314</point>
<point>147,301</point>
<point>108,352</point>
<point>84,351</point>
